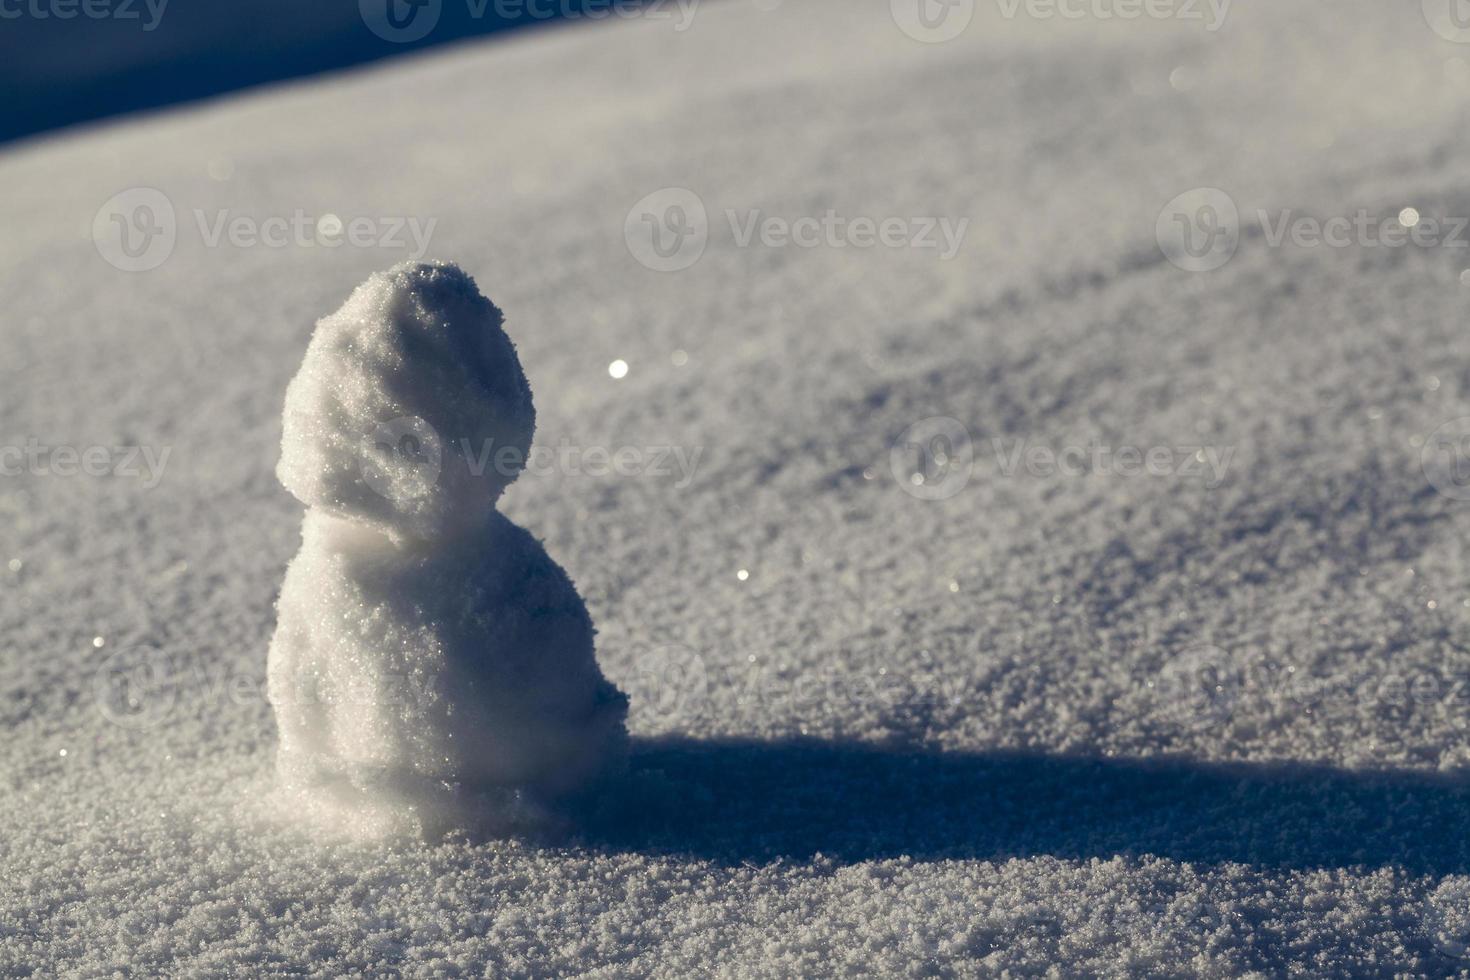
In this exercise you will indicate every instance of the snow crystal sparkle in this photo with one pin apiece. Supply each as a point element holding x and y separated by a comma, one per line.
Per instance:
<point>432,667</point>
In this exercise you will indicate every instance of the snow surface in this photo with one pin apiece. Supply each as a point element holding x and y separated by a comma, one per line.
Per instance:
<point>1113,723</point>
<point>432,668</point>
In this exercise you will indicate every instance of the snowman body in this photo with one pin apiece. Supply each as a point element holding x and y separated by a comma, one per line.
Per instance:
<point>431,664</point>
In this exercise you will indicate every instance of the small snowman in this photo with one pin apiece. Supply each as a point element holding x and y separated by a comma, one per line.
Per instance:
<point>432,666</point>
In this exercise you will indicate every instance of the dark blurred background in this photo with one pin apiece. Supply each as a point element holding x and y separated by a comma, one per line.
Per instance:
<point>69,61</point>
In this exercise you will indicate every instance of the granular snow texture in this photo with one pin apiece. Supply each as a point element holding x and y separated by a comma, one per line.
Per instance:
<point>1203,715</point>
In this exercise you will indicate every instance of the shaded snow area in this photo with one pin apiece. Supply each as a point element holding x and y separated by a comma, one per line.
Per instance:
<point>1025,545</point>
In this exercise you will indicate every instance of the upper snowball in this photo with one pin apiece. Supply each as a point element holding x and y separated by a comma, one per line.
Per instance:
<point>410,412</point>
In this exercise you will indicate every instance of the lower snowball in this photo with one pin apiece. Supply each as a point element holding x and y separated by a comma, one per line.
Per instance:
<point>432,687</point>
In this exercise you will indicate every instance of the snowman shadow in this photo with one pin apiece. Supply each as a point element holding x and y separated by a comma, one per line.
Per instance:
<point>749,802</point>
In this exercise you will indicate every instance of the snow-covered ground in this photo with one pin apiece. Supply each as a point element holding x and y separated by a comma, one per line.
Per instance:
<point>1195,712</point>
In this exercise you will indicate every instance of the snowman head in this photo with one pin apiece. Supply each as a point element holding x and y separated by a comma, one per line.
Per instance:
<point>410,413</point>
